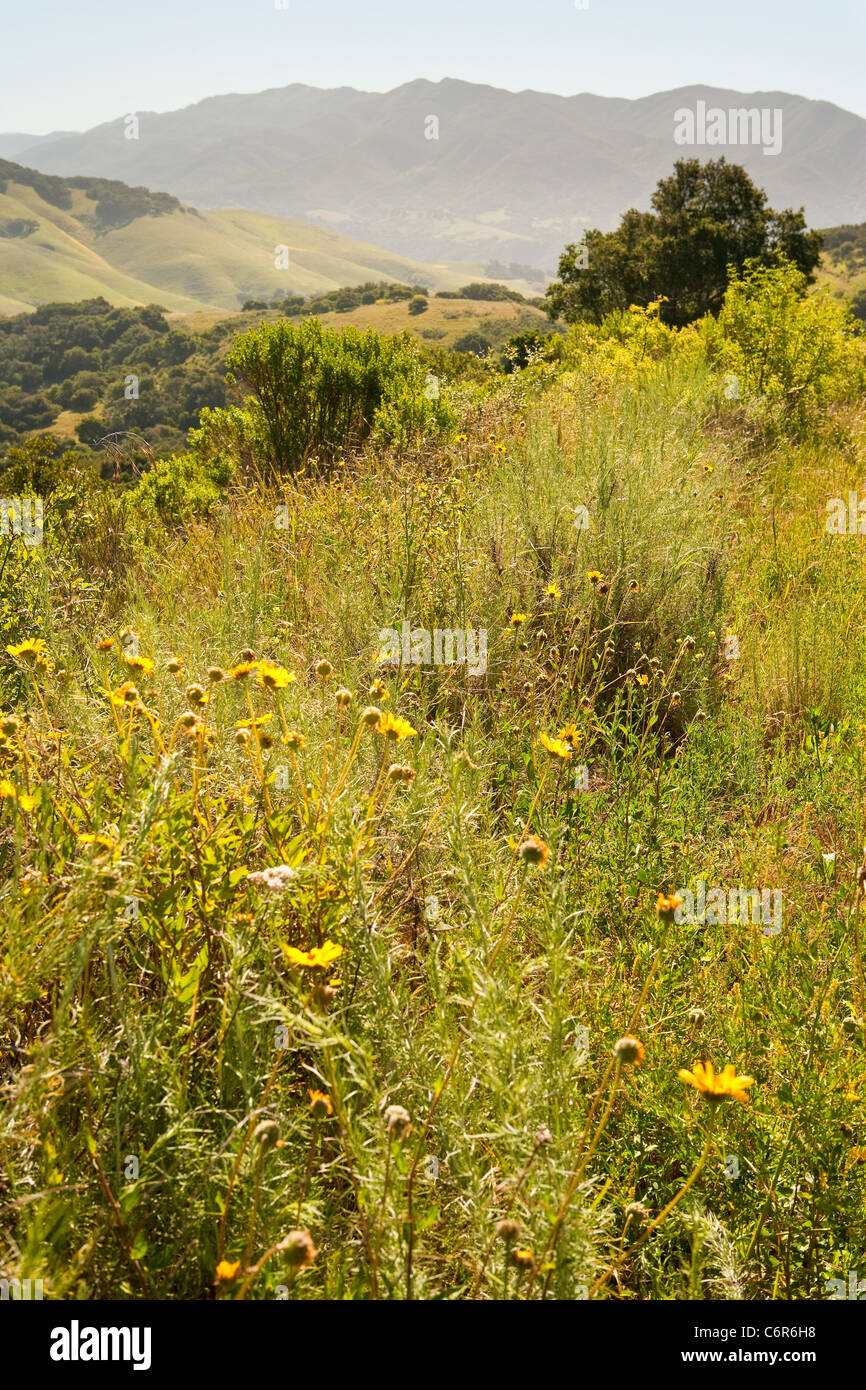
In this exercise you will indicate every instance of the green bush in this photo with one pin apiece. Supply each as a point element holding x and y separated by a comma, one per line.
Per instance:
<point>314,391</point>
<point>794,351</point>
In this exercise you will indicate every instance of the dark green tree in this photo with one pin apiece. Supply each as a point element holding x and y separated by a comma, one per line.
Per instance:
<point>705,218</point>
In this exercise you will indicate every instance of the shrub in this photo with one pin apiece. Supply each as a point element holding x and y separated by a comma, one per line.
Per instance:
<point>791,350</point>
<point>317,391</point>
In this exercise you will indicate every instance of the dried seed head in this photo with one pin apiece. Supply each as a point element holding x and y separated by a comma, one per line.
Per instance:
<point>298,1249</point>
<point>543,1136</point>
<point>323,669</point>
<point>174,664</point>
<point>697,1017</point>
<point>343,698</point>
<point>508,1230</point>
<point>215,674</point>
<point>397,1121</point>
<point>534,851</point>
<point>371,716</point>
<point>266,1133</point>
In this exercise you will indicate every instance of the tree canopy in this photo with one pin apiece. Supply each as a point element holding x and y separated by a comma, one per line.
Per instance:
<point>704,218</point>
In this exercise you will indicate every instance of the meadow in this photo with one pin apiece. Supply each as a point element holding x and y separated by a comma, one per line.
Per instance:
<point>329,977</point>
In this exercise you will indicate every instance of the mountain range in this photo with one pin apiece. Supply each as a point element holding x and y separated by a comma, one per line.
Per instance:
<point>452,170</point>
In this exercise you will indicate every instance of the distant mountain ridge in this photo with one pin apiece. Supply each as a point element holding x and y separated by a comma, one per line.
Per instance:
<point>452,170</point>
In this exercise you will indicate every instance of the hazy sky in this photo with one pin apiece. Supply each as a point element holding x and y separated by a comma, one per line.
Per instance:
<point>72,65</point>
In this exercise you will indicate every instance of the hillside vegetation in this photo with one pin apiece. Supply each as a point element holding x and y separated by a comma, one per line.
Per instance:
<point>331,969</point>
<point>80,238</point>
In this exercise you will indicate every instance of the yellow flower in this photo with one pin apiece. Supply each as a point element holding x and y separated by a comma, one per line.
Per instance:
<point>594,576</point>
<point>27,803</point>
<point>318,958</point>
<point>241,671</point>
<point>726,1086</point>
<point>571,735</point>
<point>227,1269</point>
<point>320,1105</point>
<point>254,723</point>
<point>103,842</point>
<point>139,663</point>
<point>642,680</point>
<point>125,694</point>
<point>553,591</point>
<point>518,618</point>
<point>294,739</point>
<point>555,747</point>
<point>667,906</point>
<point>105,644</point>
<point>7,790</point>
<point>274,677</point>
<point>393,727</point>
<point>33,647</point>
<point>534,851</point>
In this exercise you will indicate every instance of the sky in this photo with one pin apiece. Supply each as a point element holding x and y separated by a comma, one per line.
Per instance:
<point>70,66</point>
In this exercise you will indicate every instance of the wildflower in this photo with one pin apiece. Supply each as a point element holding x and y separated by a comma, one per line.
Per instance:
<point>371,717</point>
<point>320,957</point>
<point>553,591</point>
<point>343,698</point>
<point>125,694</point>
<point>27,803</point>
<point>727,1085</point>
<point>323,669</point>
<point>594,576</point>
<point>103,842</point>
<point>274,677</point>
<point>557,748</point>
<point>197,695</point>
<point>460,439</point>
<point>9,726</point>
<point>247,655</point>
<point>31,650</point>
<point>523,1259</point>
<point>299,1249</point>
<point>697,1017</point>
<point>534,851</point>
<point>378,691</point>
<point>242,737</point>
<point>401,772</point>
<point>254,723</point>
<point>7,790</point>
<point>675,699</point>
<point>642,680</point>
<point>320,1105</point>
<point>634,587</point>
<point>143,664</point>
<point>397,1121</point>
<point>105,644</point>
<point>266,1133</point>
<point>294,739</point>
<point>174,665</point>
<point>709,468</point>
<point>666,906</point>
<point>227,1269</point>
<point>571,735</point>
<point>215,674</point>
<point>395,728</point>
<point>275,879</point>
<point>629,1051</point>
<point>241,671</point>
<point>518,618</point>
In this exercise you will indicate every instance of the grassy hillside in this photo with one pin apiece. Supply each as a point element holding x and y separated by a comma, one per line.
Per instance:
<point>336,972</point>
<point>58,243</point>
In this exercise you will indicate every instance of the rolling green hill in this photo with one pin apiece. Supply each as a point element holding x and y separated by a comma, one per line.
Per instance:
<point>79,238</point>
